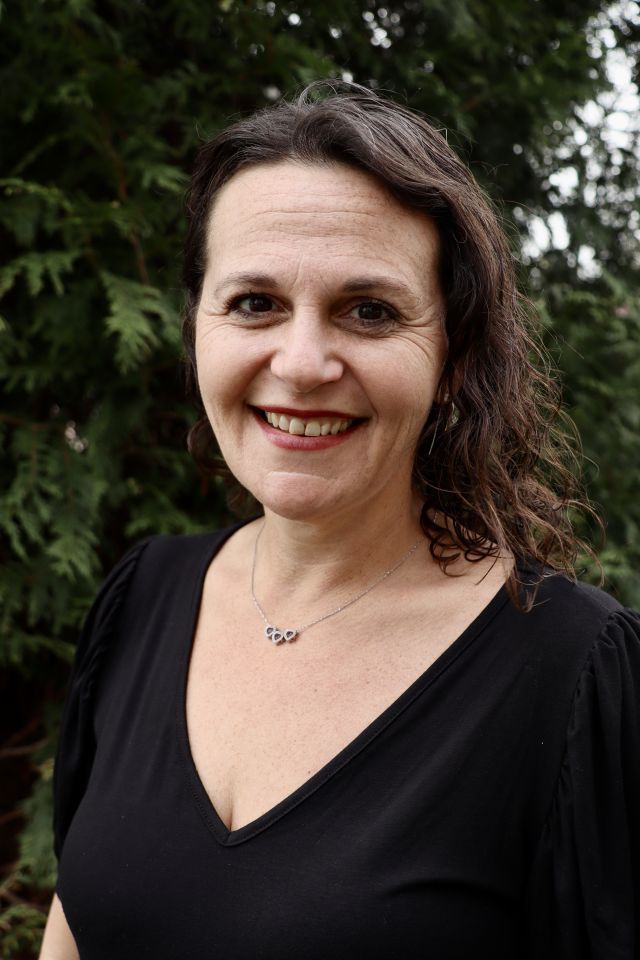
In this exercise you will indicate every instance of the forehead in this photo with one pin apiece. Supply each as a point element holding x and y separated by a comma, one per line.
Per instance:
<point>333,210</point>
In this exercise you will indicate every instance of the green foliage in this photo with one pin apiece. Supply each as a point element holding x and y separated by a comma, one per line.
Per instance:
<point>22,922</point>
<point>104,105</point>
<point>139,316</point>
<point>36,860</point>
<point>21,929</point>
<point>600,358</point>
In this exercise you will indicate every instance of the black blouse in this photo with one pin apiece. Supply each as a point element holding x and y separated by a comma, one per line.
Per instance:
<point>492,810</point>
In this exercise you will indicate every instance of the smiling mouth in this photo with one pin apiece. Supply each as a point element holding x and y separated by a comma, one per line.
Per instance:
<point>317,426</point>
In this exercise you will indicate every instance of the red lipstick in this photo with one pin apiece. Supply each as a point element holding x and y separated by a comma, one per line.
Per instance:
<point>290,441</point>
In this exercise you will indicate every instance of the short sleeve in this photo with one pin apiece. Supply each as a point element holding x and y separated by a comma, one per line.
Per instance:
<point>76,744</point>
<point>584,896</point>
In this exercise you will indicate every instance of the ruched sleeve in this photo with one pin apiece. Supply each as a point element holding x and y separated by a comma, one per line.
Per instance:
<point>76,745</point>
<point>584,897</point>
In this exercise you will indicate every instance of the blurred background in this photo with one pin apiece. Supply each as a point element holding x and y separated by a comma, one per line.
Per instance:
<point>103,104</point>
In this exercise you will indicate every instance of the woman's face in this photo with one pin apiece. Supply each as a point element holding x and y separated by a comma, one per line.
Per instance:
<point>319,337</point>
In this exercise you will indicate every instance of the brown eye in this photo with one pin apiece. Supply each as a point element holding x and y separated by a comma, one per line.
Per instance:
<point>372,311</point>
<point>255,303</point>
<point>374,315</point>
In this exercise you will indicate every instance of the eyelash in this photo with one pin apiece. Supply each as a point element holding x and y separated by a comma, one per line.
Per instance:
<point>234,304</point>
<point>382,325</point>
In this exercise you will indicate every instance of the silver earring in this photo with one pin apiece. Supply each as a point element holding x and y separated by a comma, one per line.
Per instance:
<point>445,400</point>
<point>433,435</point>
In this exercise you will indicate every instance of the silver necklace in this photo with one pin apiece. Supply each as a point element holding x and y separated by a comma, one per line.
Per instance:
<point>289,634</point>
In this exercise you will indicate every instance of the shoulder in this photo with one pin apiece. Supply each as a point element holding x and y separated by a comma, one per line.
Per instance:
<point>574,595</point>
<point>570,608</point>
<point>151,572</point>
<point>167,561</point>
<point>177,548</point>
<point>574,628</point>
<point>568,626</point>
<point>156,578</point>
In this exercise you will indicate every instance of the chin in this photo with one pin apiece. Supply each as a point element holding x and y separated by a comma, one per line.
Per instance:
<point>298,496</point>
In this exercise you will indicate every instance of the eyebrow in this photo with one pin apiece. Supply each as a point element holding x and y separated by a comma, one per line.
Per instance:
<point>393,287</point>
<point>353,285</point>
<point>245,280</point>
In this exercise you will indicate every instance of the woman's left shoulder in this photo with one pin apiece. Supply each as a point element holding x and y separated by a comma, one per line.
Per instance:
<point>579,615</point>
<point>573,631</point>
<point>574,595</point>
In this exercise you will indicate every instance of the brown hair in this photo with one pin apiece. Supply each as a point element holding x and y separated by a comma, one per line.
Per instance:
<point>493,467</point>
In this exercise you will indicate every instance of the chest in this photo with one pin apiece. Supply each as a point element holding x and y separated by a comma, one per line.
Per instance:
<point>416,821</point>
<point>263,720</point>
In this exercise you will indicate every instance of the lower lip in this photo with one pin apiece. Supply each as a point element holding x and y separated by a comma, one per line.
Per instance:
<point>289,441</point>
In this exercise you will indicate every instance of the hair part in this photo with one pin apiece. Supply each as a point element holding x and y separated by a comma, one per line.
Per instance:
<point>496,461</point>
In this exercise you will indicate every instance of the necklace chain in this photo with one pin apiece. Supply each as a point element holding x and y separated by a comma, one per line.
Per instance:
<point>289,634</point>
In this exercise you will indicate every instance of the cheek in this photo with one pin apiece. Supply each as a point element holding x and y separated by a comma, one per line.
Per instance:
<point>407,389</point>
<point>216,388</point>
<point>222,368</point>
<point>209,374</point>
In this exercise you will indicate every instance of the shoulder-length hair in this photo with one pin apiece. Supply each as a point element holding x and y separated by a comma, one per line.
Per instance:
<point>493,467</point>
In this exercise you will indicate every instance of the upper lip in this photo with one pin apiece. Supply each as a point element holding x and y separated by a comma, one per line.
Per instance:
<point>307,414</point>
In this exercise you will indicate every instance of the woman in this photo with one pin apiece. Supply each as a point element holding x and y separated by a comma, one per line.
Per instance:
<point>380,720</point>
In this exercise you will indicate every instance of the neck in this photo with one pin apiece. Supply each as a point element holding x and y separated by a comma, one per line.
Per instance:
<point>305,565</point>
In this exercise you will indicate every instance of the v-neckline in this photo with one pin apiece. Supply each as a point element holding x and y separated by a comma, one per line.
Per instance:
<point>359,743</point>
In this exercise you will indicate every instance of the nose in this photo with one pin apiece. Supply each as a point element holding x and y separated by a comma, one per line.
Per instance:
<point>305,357</point>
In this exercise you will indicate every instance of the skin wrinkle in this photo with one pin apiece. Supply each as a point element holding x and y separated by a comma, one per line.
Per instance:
<point>505,446</point>
<point>364,284</point>
<point>267,241</point>
<point>310,349</point>
<point>417,307</point>
<point>417,312</point>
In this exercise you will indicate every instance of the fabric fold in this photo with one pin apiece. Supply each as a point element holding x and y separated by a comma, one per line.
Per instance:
<point>73,763</point>
<point>582,898</point>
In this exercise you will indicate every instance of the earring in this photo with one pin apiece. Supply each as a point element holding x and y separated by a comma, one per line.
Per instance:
<point>445,400</point>
<point>433,435</point>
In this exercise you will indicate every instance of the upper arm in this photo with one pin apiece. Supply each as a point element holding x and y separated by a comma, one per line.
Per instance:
<point>58,942</point>
<point>76,745</point>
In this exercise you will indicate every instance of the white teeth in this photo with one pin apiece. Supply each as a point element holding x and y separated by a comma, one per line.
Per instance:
<point>306,428</point>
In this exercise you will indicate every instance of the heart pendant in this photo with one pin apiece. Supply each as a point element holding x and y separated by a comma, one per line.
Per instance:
<point>276,635</point>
